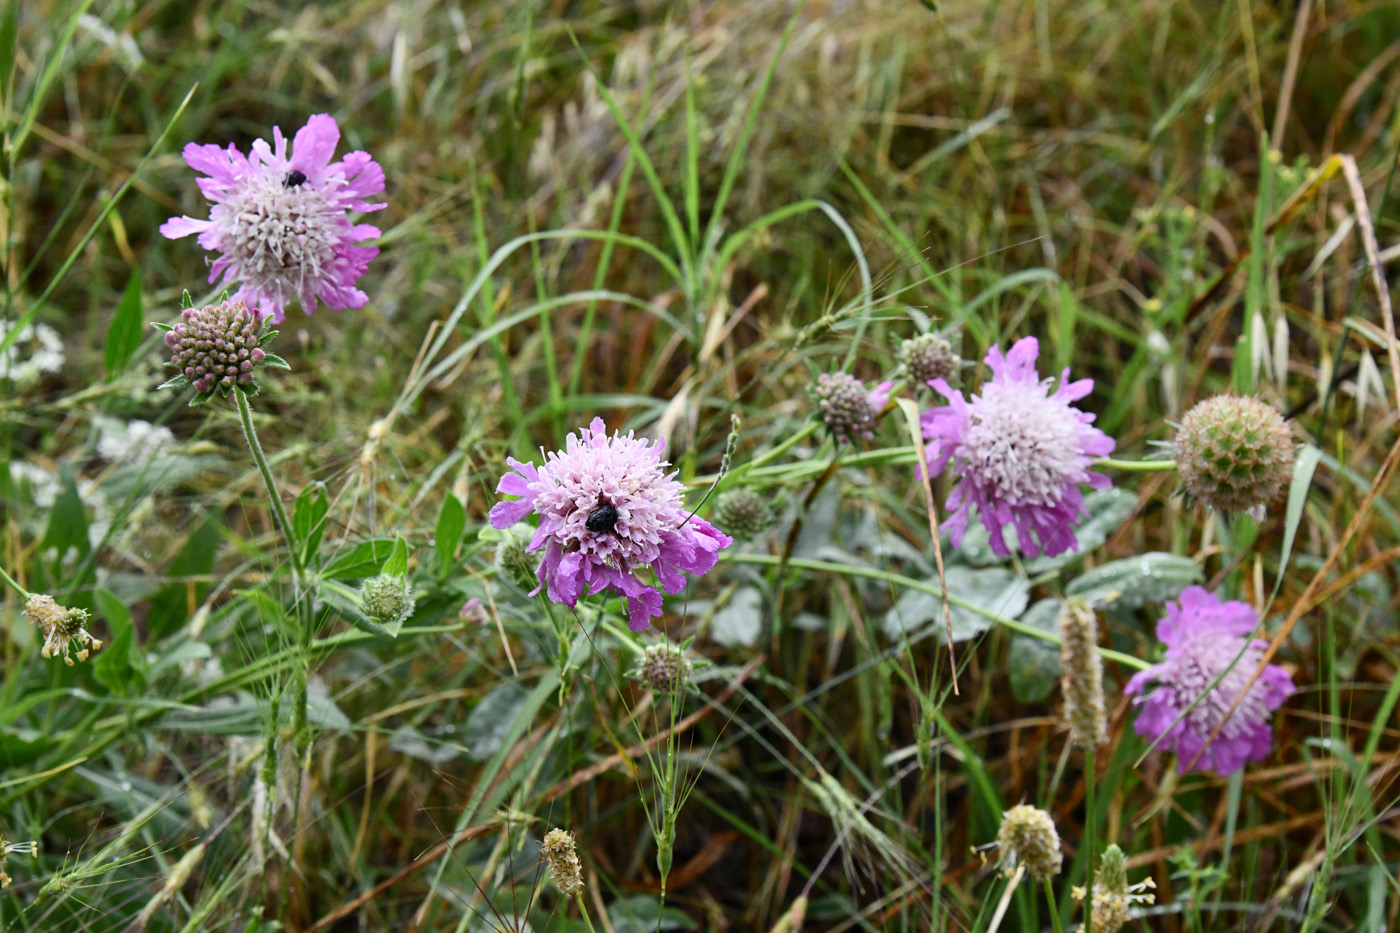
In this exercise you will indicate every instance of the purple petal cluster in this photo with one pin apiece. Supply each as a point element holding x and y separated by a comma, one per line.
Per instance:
<point>1206,639</point>
<point>279,219</point>
<point>607,512</point>
<point>1019,451</point>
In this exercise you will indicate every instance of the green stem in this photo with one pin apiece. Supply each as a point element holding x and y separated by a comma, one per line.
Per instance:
<point>1054,908</point>
<point>587,921</point>
<point>279,514</point>
<point>24,594</point>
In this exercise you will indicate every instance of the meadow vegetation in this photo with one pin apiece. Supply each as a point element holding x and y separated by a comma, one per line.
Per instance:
<point>274,661</point>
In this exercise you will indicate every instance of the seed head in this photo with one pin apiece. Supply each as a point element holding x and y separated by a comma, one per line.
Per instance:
<point>1081,675</point>
<point>1113,896</point>
<point>1235,454</point>
<point>513,563</point>
<point>558,851</point>
<point>847,407</point>
<point>927,357</point>
<point>743,513</point>
<point>62,628</point>
<point>218,348</point>
<point>387,599</point>
<point>1027,837</point>
<point>664,668</point>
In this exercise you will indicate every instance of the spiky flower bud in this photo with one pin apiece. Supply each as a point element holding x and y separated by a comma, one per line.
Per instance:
<point>664,667</point>
<point>217,348</point>
<point>1234,453</point>
<point>927,357</point>
<point>1113,896</point>
<point>62,628</point>
<point>846,407</point>
<point>559,853</point>
<point>743,513</point>
<point>23,848</point>
<point>514,564</point>
<point>1081,675</point>
<point>1028,837</point>
<point>387,599</point>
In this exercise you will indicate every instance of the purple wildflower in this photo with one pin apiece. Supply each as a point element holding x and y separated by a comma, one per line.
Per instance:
<point>1021,453</point>
<point>278,220</point>
<point>1204,637</point>
<point>606,511</point>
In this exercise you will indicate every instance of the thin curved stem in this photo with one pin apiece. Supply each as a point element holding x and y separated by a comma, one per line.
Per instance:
<point>279,514</point>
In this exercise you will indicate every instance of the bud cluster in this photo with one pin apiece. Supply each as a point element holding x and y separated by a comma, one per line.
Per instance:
<point>743,513</point>
<point>664,668</point>
<point>218,347</point>
<point>847,408</point>
<point>927,357</point>
<point>387,599</point>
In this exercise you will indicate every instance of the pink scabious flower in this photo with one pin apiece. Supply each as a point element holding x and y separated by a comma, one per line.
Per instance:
<point>1020,453</point>
<point>279,219</point>
<point>606,512</point>
<point>1204,637</point>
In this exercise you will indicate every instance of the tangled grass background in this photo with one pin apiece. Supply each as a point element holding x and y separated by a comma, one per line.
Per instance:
<point>667,215</point>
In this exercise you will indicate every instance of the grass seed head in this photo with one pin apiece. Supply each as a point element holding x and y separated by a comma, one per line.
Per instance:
<point>1113,896</point>
<point>1081,675</point>
<point>1028,837</point>
<point>62,628</point>
<point>560,854</point>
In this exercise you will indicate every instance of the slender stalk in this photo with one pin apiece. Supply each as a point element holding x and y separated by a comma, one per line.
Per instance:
<point>279,514</point>
<point>1090,818</point>
<point>1054,908</point>
<point>583,911</point>
<point>24,594</point>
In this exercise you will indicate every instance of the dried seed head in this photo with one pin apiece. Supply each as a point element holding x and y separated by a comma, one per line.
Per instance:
<point>1028,837</point>
<point>743,513</point>
<point>664,668</point>
<point>1081,675</point>
<point>927,357</point>
<point>387,599</point>
<point>1234,453</point>
<point>1113,896</point>
<point>558,851</point>
<point>62,628</point>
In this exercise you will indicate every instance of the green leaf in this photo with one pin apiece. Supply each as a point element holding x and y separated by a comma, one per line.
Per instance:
<point>124,333</point>
<point>995,589</point>
<point>740,622</point>
<point>452,522</point>
<point>1152,577</point>
<point>175,382</point>
<point>68,524</point>
<point>486,727</point>
<point>309,520</point>
<point>397,564</point>
<point>163,327</point>
<point>118,665</point>
<point>1303,469</point>
<point>274,361</point>
<point>362,560</point>
<point>186,302</point>
<point>644,913</point>
<point>1035,664</point>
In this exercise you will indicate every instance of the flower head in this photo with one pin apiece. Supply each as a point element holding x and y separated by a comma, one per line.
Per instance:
<point>1113,896</point>
<point>218,348</point>
<point>847,407</point>
<point>743,513</point>
<point>558,851</point>
<point>927,357</point>
<point>387,599</point>
<point>607,510</point>
<point>62,628</point>
<point>1081,675</point>
<point>664,667</point>
<point>1028,837</point>
<point>1235,454</point>
<point>1020,453</point>
<point>1207,639</point>
<point>279,219</point>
